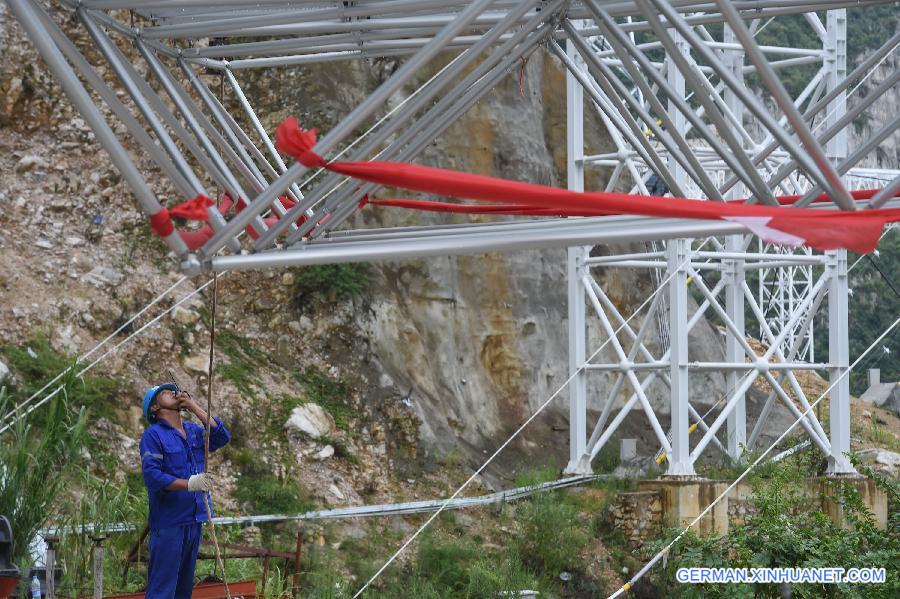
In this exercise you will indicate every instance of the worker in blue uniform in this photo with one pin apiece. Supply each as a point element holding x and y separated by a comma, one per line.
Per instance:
<point>174,468</point>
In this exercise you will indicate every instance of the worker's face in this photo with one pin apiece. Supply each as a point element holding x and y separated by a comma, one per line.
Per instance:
<point>166,399</point>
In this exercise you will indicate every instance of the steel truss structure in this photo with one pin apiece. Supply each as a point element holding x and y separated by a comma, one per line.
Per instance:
<point>665,77</point>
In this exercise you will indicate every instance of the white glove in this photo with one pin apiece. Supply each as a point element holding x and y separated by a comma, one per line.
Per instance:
<point>200,482</point>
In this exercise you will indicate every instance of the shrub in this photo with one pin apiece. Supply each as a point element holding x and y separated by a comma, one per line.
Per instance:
<point>787,532</point>
<point>551,539</point>
<point>332,282</point>
<point>35,363</point>
<point>35,468</point>
<point>321,389</point>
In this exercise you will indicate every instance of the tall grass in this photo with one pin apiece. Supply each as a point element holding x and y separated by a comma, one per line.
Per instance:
<point>35,466</point>
<point>99,504</point>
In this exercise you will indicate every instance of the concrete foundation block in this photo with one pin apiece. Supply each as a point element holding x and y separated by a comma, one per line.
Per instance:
<point>683,500</point>
<point>873,498</point>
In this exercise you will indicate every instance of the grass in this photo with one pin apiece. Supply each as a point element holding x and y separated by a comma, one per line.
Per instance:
<point>261,490</point>
<point>552,536</point>
<point>36,465</point>
<point>879,434</point>
<point>100,502</point>
<point>535,476</point>
<point>449,565</point>
<point>35,363</point>
<point>321,389</point>
<point>243,361</point>
<point>330,282</point>
<point>270,495</point>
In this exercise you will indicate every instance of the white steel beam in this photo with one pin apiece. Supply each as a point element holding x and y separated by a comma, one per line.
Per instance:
<point>575,267</point>
<point>839,359</point>
<point>680,460</point>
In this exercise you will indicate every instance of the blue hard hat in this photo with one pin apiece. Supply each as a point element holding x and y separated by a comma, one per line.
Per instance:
<point>150,395</point>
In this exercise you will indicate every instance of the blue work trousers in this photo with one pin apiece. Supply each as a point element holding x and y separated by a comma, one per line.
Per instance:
<point>173,555</point>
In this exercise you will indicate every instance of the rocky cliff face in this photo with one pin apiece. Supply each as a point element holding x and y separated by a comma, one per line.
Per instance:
<point>472,345</point>
<point>887,154</point>
<point>478,343</point>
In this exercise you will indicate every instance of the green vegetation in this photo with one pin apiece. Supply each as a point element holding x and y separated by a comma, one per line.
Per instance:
<point>261,490</point>
<point>101,503</point>
<point>787,532</point>
<point>268,494</point>
<point>608,458</point>
<point>35,363</point>
<point>873,307</point>
<point>453,566</point>
<point>877,433</point>
<point>867,28</point>
<point>243,361</point>
<point>551,535</point>
<point>37,464</point>
<point>330,282</point>
<point>332,395</point>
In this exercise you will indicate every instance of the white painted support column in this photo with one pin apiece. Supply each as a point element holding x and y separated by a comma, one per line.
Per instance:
<point>734,274</point>
<point>838,294</point>
<point>836,71</point>
<point>574,271</point>
<point>676,82</point>
<point>839,361</point>
<point>734,305</point>
<point>680,463</point>
<point>577,357</point>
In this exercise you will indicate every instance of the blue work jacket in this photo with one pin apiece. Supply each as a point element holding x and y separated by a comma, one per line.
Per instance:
<point>166,456</point>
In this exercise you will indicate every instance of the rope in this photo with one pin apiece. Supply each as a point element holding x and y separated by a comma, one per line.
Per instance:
<point>207,502</point>
<point>209,412</point>
<point>640,573</point>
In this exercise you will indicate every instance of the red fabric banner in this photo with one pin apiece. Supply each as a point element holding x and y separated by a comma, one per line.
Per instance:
<point>197,209</point>
<point>524,210</point>
<point>821,229</point>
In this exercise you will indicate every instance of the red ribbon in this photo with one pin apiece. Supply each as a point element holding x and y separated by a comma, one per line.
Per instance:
<point>161,223</point>
<point>294,141</point>
<point>820,229</point>
<point>194,209</point>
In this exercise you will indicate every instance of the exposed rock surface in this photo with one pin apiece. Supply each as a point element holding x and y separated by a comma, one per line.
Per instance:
<point>4,373</point>
<point>450,354</point>
<point>310,419</point>
<point>883,461</point>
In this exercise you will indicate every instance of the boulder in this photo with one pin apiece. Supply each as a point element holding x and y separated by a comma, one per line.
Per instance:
<point>324,453</point>
<point>199,364</point>
<point>30,162</point>
<point>5,374</point>
<point>887,462</point>
<point>310,419</point>
<point>101,276</point>
<point>184,316</point>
